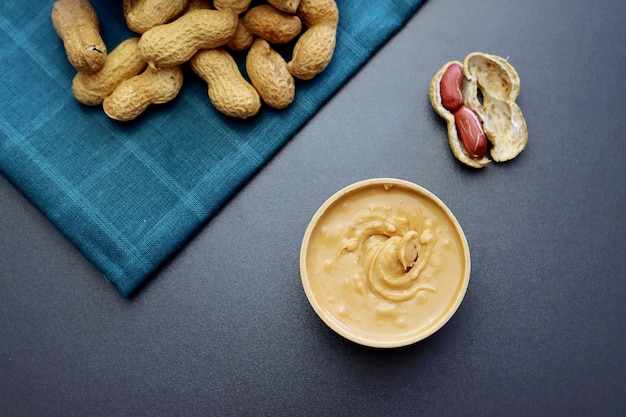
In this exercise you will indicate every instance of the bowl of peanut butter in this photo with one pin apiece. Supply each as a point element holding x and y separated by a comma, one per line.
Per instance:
<point>384,263</point>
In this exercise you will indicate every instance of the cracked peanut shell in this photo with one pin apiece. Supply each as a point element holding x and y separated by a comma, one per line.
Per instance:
<point>489,88</point>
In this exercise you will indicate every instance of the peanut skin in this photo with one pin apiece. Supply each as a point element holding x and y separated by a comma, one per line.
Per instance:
<point>458,147</point>
<point>133,96</point>
<point>470,130</point>
<point>77,24</point>
<point>175,43</point>
<point>123,62</point>
<point>229,92</point>
<point>269,23</point>
<point>450,87</point>
<point>268,73</point>
<point>314,49</point>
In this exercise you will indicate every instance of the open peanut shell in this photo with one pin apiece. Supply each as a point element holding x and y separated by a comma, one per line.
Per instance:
<point>490,86</point>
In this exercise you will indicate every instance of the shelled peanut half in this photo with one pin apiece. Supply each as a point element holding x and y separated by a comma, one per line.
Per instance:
<point>206,35</point>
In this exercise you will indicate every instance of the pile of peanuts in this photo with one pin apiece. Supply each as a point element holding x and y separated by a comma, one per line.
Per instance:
<point>147,69</point>
<point>476,97</point>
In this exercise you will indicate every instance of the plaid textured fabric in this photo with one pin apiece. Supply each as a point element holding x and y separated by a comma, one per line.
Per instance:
<point>129,194</point>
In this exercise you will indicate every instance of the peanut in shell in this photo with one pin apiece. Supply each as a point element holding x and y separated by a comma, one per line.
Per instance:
<point>77,24</point>
<point>142,15</point>
<point>174,43</point>
<point>133,96</point>
<point>287,6</point>
<point>242,39</point>
<point>268,73</point>
<point>123,62</point>
<point>269,23</point>
<point>313,51</point>
<point>228,90</point>
<point>318,12</point>
<point>238,6</point>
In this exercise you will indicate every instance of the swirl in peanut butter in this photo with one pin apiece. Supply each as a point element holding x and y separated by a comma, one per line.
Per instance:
<point>392,251</point>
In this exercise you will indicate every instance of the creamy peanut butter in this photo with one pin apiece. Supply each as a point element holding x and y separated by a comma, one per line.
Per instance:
<point>384,262</point>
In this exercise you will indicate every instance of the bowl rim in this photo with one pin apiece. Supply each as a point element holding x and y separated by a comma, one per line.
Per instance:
<point>332,321</point>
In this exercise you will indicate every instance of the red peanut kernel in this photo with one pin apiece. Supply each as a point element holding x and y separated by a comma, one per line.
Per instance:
<point>471,132</point>
<point>450,87</point>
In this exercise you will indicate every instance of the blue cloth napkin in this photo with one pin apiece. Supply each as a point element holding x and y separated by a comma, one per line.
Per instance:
<point>128,195</point>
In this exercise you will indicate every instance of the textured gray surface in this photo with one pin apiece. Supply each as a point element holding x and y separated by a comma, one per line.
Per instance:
<point>225,328</point>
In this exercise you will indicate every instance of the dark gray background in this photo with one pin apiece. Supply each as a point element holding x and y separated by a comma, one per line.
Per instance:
<point>225,328</point>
